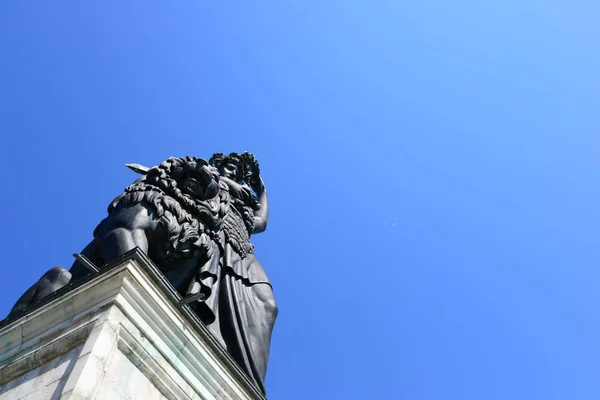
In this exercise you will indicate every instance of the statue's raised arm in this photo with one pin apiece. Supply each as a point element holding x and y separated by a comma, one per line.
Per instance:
<point>261,216</point>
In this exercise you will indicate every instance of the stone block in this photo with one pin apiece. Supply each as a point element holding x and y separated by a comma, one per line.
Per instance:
<point>117,334</point>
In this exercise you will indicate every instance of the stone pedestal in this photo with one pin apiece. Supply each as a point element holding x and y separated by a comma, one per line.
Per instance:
<point>118,334</point>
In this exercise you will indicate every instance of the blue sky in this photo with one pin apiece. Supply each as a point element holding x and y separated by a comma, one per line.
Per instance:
<point>432,170</point>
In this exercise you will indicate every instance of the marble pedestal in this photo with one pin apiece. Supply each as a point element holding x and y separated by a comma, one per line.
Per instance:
<point>118,334</point>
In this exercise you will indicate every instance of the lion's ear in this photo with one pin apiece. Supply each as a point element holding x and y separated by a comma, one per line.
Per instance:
<point>140,169</point>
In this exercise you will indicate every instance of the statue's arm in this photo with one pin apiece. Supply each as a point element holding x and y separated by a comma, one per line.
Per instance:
<point>261,216</point>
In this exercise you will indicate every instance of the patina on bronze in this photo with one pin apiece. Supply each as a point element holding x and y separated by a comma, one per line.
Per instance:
<point>194,220</point>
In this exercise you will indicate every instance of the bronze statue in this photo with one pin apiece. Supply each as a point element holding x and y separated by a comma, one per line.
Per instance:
<point>194,220</point>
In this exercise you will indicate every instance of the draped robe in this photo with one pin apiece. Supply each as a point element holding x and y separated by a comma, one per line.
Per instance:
<point>240,309</point>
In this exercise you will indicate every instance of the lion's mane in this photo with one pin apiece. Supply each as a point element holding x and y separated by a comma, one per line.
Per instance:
<point>189,224</point>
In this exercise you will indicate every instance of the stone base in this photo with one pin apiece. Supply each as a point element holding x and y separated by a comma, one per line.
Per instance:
<point>118,334</point>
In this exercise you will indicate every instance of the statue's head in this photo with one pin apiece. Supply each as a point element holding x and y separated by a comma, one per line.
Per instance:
<point>231,166</point>
<point>238,167</point>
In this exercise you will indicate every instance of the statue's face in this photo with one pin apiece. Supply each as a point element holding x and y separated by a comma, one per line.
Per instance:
<point>229,170</point>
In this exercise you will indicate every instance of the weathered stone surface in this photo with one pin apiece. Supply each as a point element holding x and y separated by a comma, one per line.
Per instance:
<point>119,335</point>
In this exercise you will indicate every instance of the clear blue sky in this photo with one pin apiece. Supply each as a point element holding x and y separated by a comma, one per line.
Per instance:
<point>432,167</point>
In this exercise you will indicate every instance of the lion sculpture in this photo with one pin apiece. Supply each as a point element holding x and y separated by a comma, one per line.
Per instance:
<point>172,213</point>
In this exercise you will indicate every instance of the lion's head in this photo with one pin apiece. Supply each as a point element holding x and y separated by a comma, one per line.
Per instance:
<point>188,201</point>
<point>194,177</point>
